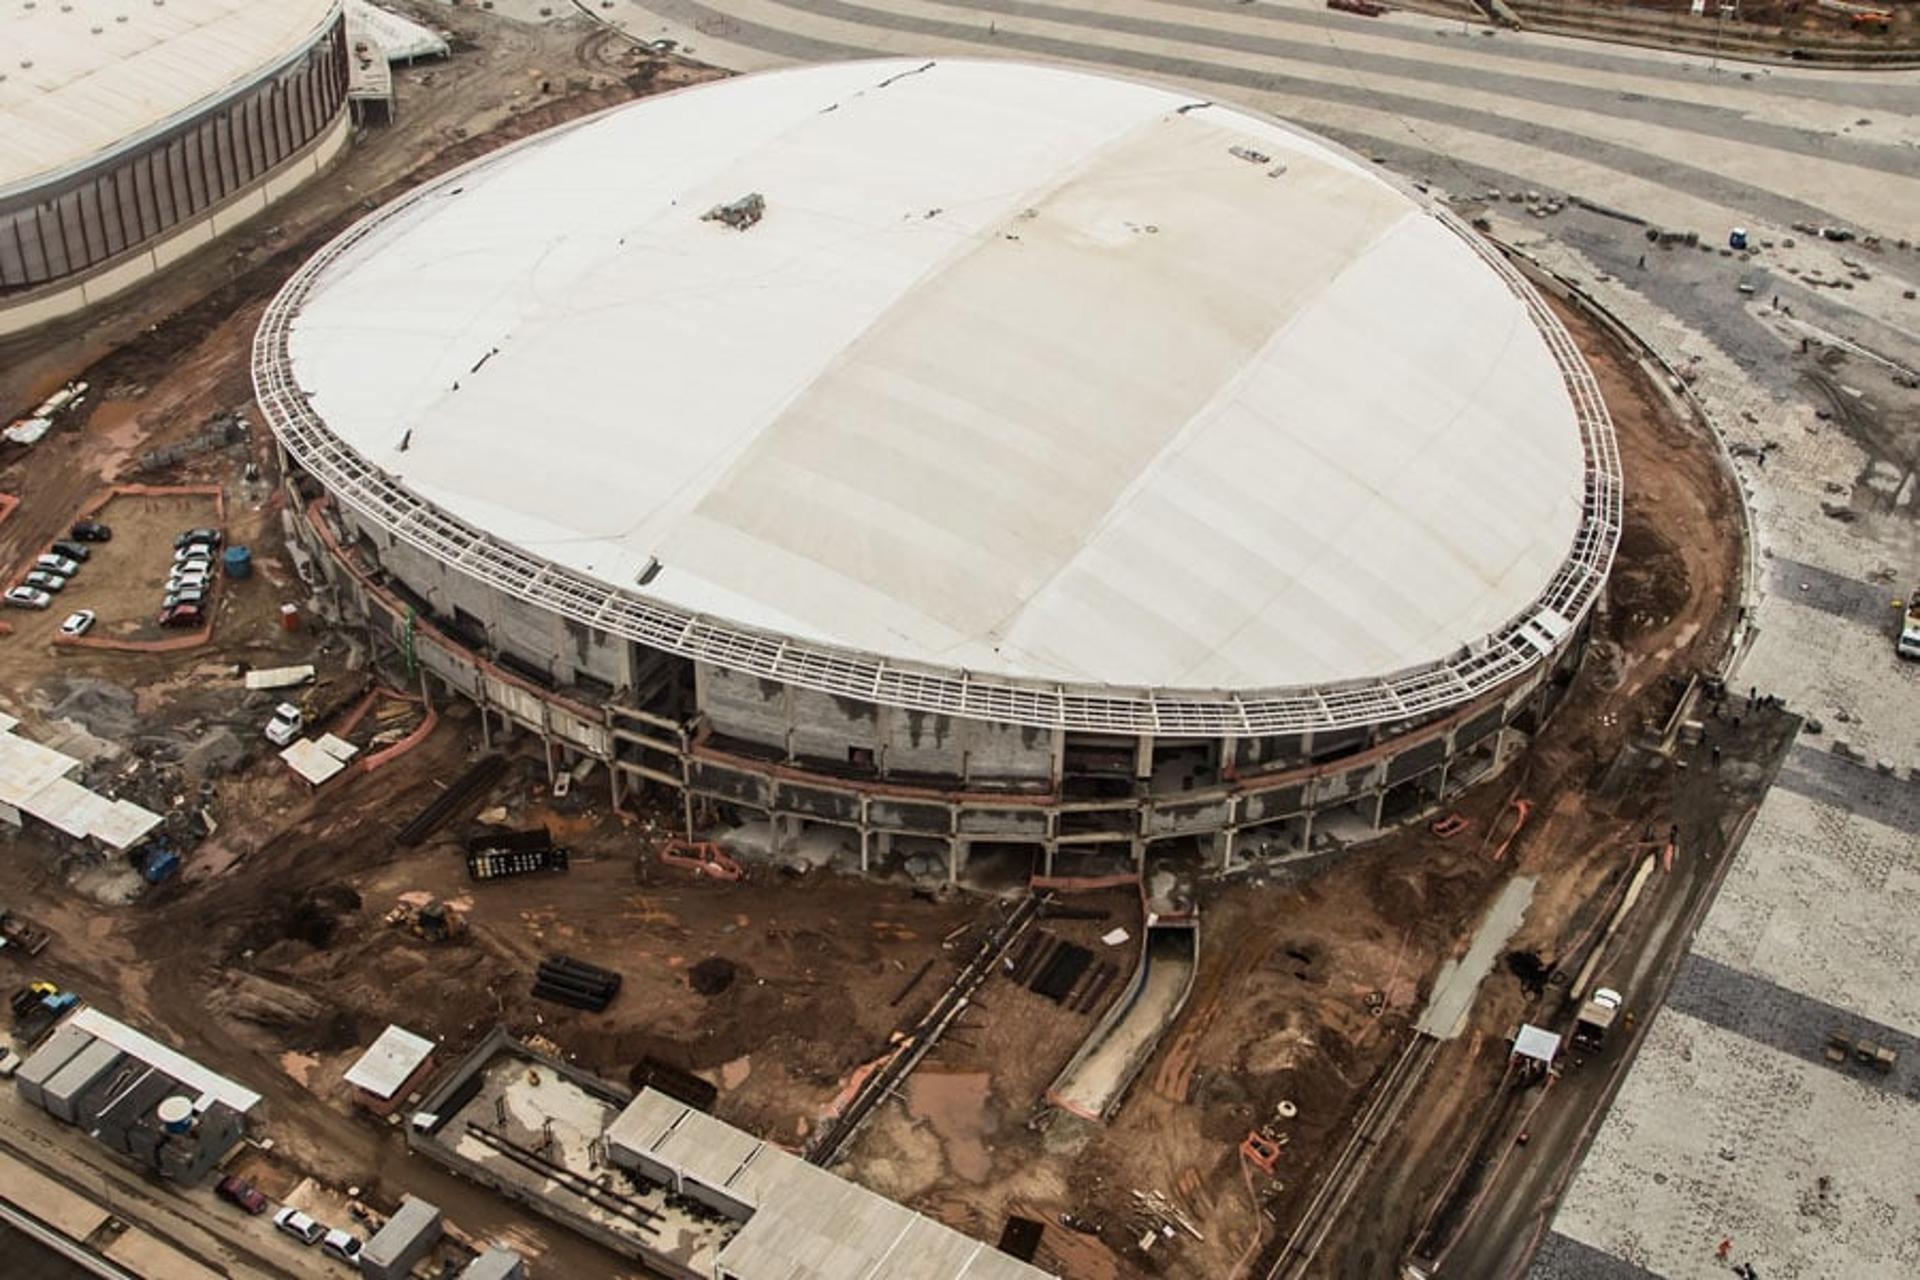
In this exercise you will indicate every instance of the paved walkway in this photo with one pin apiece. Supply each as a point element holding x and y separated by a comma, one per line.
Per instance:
<point>1661,136</point>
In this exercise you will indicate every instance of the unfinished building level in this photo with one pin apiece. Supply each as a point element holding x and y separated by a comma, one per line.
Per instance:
<point>1053,469</point>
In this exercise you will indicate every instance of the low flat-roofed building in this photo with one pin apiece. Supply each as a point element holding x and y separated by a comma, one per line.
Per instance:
<point>135,1096</point>
<point>798,1219</point>
<point>392,1067</point>
<point>405,1238</point>
<point>496,1264</point>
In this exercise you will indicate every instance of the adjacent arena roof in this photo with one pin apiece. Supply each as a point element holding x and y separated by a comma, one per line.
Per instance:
<point>81,79</point>
<point>1023,371</point>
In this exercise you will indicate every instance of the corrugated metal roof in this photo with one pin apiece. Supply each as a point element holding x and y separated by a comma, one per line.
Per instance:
<point>77,80</point>
<point>806,1222</point>
<point>33,779</point>
<point>210,1086</point>
<point>1024,371</point>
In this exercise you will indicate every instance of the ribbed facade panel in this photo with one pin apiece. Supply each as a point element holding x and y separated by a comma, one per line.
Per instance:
<point>133,197</point>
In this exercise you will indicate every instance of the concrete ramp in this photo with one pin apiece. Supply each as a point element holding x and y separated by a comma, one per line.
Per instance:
<point>1097,1076</point>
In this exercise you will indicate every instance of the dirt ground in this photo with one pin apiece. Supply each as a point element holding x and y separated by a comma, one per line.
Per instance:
<point>124,579</point>
<point>1280,1011</point>
<point>270,957</point>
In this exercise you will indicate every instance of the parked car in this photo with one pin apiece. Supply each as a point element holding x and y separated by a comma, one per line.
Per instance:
<point>90,531</point>
<point>236,1190</point>
<point>194,552</point>
<point>185,595</point>
<point>72,551</point>
<point>61,565</point>
<point>208,537</point>
<point>182,615</point>
<point>78,623</point>
<point>343,1245</point>
<point>45,581</point>
<point>192,575</point>
<point>28,598</point>
<point>298,1225</point>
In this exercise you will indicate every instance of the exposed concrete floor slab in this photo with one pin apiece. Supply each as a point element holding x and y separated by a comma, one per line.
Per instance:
<point>1459,980</point>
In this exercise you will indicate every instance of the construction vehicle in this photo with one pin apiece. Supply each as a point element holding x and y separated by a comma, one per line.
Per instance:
<point>36,1007</point>
<point>703,858</point>
<point>432,921</point>
<point>1908,646</point>
<point>19,935</point>
<point>1595,1019</point>
<point>286,724</point>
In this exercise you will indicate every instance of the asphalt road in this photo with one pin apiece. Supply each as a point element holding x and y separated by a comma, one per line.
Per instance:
<point>1516,1204</point>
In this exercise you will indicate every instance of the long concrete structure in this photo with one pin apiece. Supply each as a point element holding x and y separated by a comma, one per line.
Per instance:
<point>129,138</point>
<point>659,578</point>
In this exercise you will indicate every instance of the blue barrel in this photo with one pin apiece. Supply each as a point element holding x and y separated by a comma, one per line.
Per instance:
<point>162,862</point>
<point>238,562</point>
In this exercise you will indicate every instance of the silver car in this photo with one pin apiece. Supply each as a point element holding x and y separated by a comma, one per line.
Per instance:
<point>28,598</point>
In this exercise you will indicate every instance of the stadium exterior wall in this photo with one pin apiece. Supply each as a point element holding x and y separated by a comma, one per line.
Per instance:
<point>892,781</point>
<point>85,235</point>
<point>902,760</point>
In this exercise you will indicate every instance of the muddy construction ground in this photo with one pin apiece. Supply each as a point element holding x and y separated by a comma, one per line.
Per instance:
<point>273,958</point>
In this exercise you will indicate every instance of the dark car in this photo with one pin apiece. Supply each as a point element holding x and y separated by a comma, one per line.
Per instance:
<point>182,615</point>
<point>72,551</point>
<point>236,1190</point>
<point>91,531</point>
<point>205,537</point>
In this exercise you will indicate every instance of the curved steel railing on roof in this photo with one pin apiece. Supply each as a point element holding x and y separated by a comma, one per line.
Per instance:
<point>1524,643</point>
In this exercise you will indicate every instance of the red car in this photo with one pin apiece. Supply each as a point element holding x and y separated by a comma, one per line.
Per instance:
<point>182,615</point>
<point>236,1190</point>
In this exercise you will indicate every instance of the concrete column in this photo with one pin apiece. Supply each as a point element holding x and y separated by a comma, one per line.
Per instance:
<point>1059,765</point>
<point>686,809</point>
<point>956,857</point>
<point>866,838</point>
<point>1379,806</point>
<point>1139,854</point>
<point>1047,850</point>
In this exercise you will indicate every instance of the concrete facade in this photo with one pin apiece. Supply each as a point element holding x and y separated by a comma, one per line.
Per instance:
<point>884,782</point>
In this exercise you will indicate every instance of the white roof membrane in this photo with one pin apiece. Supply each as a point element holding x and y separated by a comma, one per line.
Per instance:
<point>1024,371</point>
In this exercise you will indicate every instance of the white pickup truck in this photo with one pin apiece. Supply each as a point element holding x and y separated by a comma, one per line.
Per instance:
<point>286,724</point>
<point>1908,645</point>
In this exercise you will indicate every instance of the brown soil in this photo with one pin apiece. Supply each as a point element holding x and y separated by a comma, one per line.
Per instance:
<point>270,959</point>
<point>1280,1010</point>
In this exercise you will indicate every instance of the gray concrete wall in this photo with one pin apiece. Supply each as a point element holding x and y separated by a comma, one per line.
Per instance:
<point>998,751</point>
<point>824,726</point>
<point>742,706</point>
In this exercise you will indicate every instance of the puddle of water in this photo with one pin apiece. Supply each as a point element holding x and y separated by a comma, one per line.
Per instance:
<point>954,1104</point>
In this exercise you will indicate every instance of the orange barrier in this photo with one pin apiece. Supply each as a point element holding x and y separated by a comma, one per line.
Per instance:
<point>1084,884</point>
<point>389,754</point>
